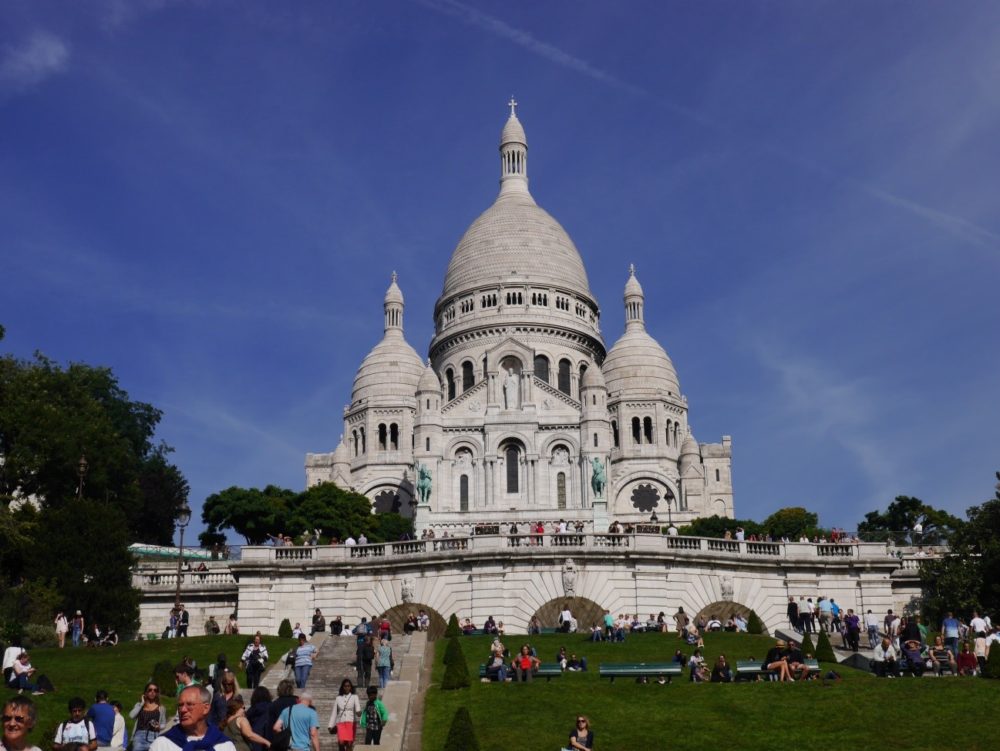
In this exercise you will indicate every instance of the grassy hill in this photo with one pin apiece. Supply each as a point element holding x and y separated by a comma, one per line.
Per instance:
<point>123,671</point>
<point>857,712</point>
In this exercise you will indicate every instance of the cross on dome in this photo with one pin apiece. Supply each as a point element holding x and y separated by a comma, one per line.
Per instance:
<point>512,104</point>
<point>631,269</point>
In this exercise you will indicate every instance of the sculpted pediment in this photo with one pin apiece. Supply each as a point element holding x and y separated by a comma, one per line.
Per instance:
<point>550,400</point>
<point>470,403</point>
<point>510,347</point>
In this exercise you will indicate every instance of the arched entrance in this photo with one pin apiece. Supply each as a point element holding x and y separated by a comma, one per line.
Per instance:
<point>587,612</point>
<point>723,610</point>
<point>398,614</point>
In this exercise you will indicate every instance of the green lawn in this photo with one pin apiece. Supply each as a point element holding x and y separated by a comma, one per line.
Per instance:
<point>123,672</point>
<point>857,712</point>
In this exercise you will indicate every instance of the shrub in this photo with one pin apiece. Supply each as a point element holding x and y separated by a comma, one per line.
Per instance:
<point>285,629</point>
<point>453,652</point>
<point>37,635</point>
<point>824,650</point>
<point>461,735</point>
<point>456,672</point>
<point>992,668</point>
<point>452,628</point>
<point>754,624</point>
<point>807,645</point>
<point>163,676</point>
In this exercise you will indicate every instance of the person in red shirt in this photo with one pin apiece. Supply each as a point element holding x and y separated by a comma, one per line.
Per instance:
<point>525,664</point>
<point>967,663</point>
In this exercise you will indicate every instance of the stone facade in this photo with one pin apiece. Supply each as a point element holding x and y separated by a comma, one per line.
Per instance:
<point>519,400</point>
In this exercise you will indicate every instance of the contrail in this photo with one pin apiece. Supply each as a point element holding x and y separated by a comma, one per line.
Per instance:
<point>957,226</point>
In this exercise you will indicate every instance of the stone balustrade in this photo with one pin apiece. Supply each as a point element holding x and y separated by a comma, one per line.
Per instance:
<point>164,577</point>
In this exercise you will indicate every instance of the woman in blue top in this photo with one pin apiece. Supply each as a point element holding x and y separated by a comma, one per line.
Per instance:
<point>384,663</point>
<point>304,655</point>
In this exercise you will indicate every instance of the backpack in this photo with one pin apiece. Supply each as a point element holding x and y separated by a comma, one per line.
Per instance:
<point>8,677</point>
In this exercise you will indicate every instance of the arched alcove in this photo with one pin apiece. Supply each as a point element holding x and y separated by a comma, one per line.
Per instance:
<point>723,610</point>
<point>587,612</point>
<point>398,614</point>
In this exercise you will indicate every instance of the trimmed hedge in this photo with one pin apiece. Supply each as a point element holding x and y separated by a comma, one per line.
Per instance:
<point>992,668</point>
<point>285,629</point>
<point>824,650</point>
<point>456,672</point>
<point>462,735</point>
<point>452,629</point>
<point>807,645</point>
<point>754,624</point>
<point>453,652</point>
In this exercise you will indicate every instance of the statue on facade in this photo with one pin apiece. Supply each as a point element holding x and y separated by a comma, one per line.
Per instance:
<point>511,386</point>
<point>423,482</point>
<point>598,480</point>
<point>407,590</point>
<point>726,585</point>
<point>569,579</point>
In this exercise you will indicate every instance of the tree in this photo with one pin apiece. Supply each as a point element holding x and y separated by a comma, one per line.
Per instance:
<point>462,733</point>
<point>717,526</point>
<point>754,624</point>
<point>792,522</point>
<point>249,512</point>
<point>807,645</point>
<point>968,578</point>
<point>824,650</point>
<point>901,520</point>
<point>452,628</point>
<point>456,672</point>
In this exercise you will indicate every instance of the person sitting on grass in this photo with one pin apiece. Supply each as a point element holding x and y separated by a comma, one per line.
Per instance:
<point>576,664</point>
<point>885,659</point>
<point>597,632</point>
<point>22,672</point>
<point>581,737</point>
<point>942,658</point>
<point>525,664</point>
<point>468,627</point>
<point>699,671</point>
<point>914,659</point>
<point>76,730</point>
<point>680,658</point>
<point>797,662</point>
<point>490,627</point>
<point>776,661</point>
<point>721,672</point>
<point>967,663</point>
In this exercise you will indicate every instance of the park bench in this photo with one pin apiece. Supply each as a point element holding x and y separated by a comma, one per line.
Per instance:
<point>547,670</point>
<point>614,670</point>
<point>750,669</point>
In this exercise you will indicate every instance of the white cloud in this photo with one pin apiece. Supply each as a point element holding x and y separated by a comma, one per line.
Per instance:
<point>42,55</point>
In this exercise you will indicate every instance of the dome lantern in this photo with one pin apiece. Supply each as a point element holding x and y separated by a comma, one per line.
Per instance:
<point>634,300</point>
<point>513,155</point>
<point>393,305</point>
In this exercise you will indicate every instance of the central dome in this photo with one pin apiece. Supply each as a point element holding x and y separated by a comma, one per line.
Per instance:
<point>514,236</point>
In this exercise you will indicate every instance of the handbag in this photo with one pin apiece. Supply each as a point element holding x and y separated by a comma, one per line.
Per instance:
<point>282,740</point>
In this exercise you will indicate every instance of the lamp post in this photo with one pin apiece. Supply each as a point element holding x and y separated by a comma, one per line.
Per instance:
<point>183,518</point>
<point>81,473</point>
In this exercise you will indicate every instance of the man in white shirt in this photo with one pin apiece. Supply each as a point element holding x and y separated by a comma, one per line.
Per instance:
<point>885,659</point>
<point>871,624</point>
<point>362,540</point>
<point>350,541</point>
<point>193,706</point>
<point>978,625</point>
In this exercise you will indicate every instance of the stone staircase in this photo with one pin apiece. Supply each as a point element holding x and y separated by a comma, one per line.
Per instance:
<point>336,661</point>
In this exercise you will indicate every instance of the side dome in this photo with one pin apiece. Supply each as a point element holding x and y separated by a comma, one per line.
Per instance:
<point>637,363</point>
<point>390,372</point>
<point>593,377</point>
<point>429,381</point>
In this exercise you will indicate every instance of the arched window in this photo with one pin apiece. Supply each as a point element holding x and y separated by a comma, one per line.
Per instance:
<point>542,367</point>
<point>647,429</point>
<point>463,493</point>
<point>676,431</point>
<point>354,441</point>
<point>636,431</point>
<point>669,426</point>
<point>614,432</point>
<point>364,442</point>
<point>449,375</point>
<point>468,376</point>
<point>716,475</point>
<point>561,490</point>
<point>564,385</point>
<point>512,458</point>
<point>427,444</point>
<point>595,440</point>
<point>394,437</point>
<point>583,369</point>
<point>381,436</point>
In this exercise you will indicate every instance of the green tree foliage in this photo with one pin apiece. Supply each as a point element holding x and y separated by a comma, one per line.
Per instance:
<point>456,672</point>
<point>754,624</point>
<point>50,416</point>
<point>807,645</point>
<point>793,522</point>
<point>285,629</point>
<point>91,563</point>
<point>452,628</point>
<point>461,734</point>
<point>898,522</point>
<point>717,526</point>
<point>824,650</point>
<point>254,514</point>
<point>968,578</point>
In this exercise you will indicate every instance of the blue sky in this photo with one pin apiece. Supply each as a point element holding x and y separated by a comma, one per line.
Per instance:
<point>209,197</point>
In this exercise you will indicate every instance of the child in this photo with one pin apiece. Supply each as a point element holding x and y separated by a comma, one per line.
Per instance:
<point>374,717</point>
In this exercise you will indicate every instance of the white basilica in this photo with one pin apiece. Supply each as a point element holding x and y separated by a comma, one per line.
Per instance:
<point>519,403</point>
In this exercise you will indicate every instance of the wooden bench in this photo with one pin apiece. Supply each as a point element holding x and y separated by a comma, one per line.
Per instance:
<point>752,668</point>
<point>614,670</point>
<point>547,670</point>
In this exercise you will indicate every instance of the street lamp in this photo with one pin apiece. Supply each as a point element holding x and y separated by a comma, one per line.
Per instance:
<point>81,473</point>
<point>183,518</point>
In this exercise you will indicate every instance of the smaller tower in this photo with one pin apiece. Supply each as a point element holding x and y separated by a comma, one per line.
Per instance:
<point>393,306</point>
<point>513,155</point>
<point>634,300</point>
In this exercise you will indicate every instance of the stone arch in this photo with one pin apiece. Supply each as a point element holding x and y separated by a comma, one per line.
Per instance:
<point>391,496</point>
<point>398,614</point>
<point>510,436</point>
<point>625,486</point>
<point>466,442</point>
<point>723,610</point>
<point>552,441</point>
<point>586,611</point>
